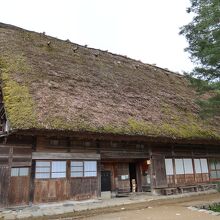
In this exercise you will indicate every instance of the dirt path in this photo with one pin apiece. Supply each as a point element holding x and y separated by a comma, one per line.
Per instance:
<point>168,212</point>
<point>161,210</point>
<point>172,209</point>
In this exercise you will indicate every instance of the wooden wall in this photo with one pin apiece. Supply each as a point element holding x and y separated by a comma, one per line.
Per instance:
<point>111,167</point>
<point>180,151</point>
<point>19,190</point>
<point>50,190</point>
<point>5,158</point>
<point>123,170</point>
<point>76,188</point>
<point>123,150</point>
<point>117,170</point>
<point>4,183</point>
<point>83,188</point>
<point>159,172</point>
<point>17,151</point>
<point>107,149</point>
<point>14,152</point>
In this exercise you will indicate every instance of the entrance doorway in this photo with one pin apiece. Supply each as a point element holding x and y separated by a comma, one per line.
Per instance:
<point>105,181</point>
<point>133,175</point>
<point>19,186</point>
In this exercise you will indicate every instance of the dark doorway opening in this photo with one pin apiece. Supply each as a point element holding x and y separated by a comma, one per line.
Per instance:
<point>133,175</point>
<point>105,181</point>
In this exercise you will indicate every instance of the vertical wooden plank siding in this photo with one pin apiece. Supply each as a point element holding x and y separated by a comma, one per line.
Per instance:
<point>123,185</point>
<point>50,190</point>
<point>4,183</point>
<point>83,188</point>
<point>5,172</point>
<point>159,171</point>
<point>14,153</point>
<point>108,166</point>
<point>171,180</point>
<point>138,177</point>
<point>19,190</point>
<point>77,188</point>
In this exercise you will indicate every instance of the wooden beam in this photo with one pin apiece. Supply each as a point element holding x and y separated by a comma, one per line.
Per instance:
<point>16,145</point>
<point>64,156</point>
<point>125,155</point>
<point>119,137</point>
<point>21,164</point>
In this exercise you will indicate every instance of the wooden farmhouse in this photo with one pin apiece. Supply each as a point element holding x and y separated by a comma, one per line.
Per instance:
<point>77,121</point>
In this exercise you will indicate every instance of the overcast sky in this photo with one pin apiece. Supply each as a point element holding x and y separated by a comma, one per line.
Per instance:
<point>145,30</point>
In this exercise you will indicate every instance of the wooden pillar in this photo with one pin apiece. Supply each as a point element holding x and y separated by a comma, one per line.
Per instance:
<point>5,175</point>
<point>151,171</point>
<point>32,173</point>
<point>174,166</point>
<point>68,141</point>
<point>99,178</point>
<point>138,176</point>
<point>9,174</point>
<point>4,185</point>
<point>98,170</point>
<point>194,170</point>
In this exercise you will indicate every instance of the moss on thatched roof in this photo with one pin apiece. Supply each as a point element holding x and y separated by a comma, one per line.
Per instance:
<point>48,83</point>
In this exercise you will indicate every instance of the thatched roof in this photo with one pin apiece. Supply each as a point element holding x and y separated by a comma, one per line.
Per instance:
<point>49,84</point>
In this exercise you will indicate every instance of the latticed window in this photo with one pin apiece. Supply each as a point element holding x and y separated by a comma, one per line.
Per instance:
<point>201,165</point>
<point>83,169</point>
<point>20,171</point>
<point>90,168</point>
<point>77,168</point>
<point>50,169</point>
<point>184,166</point>
<point>214,168</point>
<point>169,166</point>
